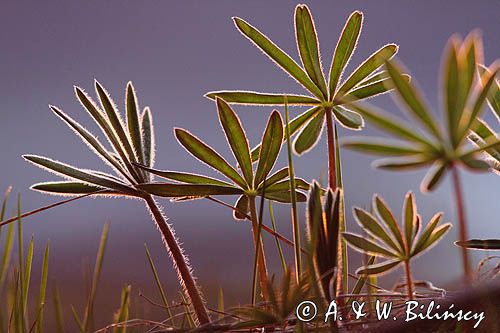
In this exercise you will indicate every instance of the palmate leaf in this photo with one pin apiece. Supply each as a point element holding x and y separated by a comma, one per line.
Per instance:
<point>66,170</point>
<point>207,155</point>
<point>270,147</point>
<point>480,244</point>
<point>345,47</point>
<point>282,59</point>
<point>188,190</point>
<point>236,137</point>
<point>256,98</point>
<point>307,44</point>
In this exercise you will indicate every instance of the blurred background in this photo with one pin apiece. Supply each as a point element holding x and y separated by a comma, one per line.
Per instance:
<point>174,52</point>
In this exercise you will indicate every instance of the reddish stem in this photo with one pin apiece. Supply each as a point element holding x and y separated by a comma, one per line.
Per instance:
<point>332,174</point>
<point>409,281</point>
<point>462,224</point>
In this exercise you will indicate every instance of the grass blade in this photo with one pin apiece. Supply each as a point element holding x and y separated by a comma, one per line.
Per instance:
<point>163,295</point>
<point>56,299</point>
<point>43,290</point>
<point>89,310</point>
<point>123,312</point>
<point>278,244</point>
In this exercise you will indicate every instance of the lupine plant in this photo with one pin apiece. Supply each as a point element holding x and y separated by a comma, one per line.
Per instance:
<point>325,99</point>
<point>464,96</point>
<point>130,143</point>
<point>247,184</point>
<point>482,133</point>
<point>396,245</point>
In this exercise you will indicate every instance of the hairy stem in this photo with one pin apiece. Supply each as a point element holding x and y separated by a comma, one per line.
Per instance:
<point>462,224</point>
<point>409,281</point>
<point>261,260</point>
<point>180,262</point>
<point>332,174</point>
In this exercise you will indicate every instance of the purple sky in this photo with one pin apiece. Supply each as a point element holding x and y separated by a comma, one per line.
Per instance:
<point>174,52</point>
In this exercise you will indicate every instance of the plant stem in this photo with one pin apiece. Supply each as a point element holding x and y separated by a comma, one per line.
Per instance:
<point>261,259</point>
<point>332,175</point>
<point>462,224</point>
<point>180,262</point>
<point>293,197</point>
<point>409,282</point>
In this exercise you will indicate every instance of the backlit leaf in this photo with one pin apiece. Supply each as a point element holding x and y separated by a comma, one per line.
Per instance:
<point>379,268</point>
<point>270,147</point>
<point>310,134</point>
<point>257,98</point>
<point>365,245</point>
<point>187,190</point>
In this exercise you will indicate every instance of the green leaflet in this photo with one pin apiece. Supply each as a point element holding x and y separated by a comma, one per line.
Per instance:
<point>270,147</point>
<point>285,185</point>
<point>133,125</point>
<point>494,94</point>
<point>185,177</point>
<point>431,226</point>
<point>436,235</point>
<point>310,134</point>
<point>88,138</point>
<point>348,118</point>
<point>295,125</point>
<point>480,244</point>
<point>453,112</point>
<point>433,176</point>
<point>275,177</point>
<point>370,224</point>
<point>379,268</point>
<point>282,59</point>
<point>207,155</point>
<point>370,65</point>
<point>385,214</point>
<point>236,137</point>
<point>285,197</point>
<point>409,218</point>
<point>256,98</point>
<point>345,47</point>
<point>412,99</point>
<point>68,188</point>
<point>380,146</point>
<point>372,89</point>
<point>307,44</point>
<point>365,245</point>
<point>69,171</point>
<point>404,163</point>
<point>148,137</point>
<point>188,190</point>
<point>242,208</point>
